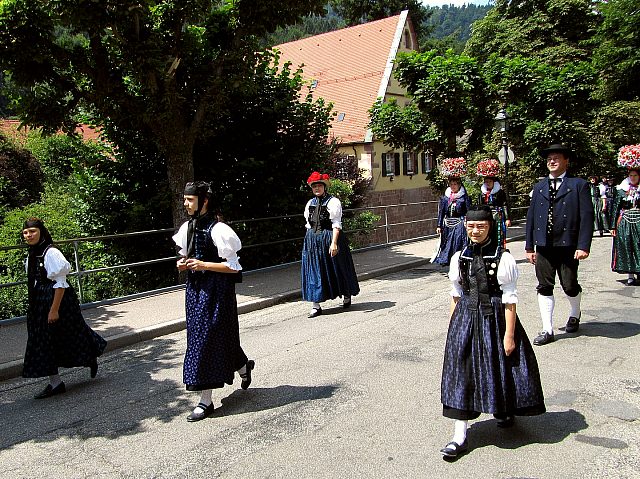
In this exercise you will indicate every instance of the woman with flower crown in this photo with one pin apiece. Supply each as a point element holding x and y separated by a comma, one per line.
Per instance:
<point>452,209</point>
<point>327,265</point>
<point>492,195</point>
<point>626,220</point>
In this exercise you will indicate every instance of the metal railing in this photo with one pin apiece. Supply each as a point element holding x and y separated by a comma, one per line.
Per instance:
<point>385,223</point>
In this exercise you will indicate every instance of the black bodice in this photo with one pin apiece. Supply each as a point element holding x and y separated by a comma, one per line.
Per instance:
<point>206,250</point>
<point>479,274</point>
<point>324,220</point>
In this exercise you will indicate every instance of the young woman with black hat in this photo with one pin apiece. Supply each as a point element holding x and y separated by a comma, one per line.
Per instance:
<point>209,254</point>
<point>489,365</point>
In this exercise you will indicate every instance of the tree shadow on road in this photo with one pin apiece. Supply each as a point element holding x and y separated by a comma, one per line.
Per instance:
<point>548,428</point>
<point>259,399</point>
<point>133,386</point>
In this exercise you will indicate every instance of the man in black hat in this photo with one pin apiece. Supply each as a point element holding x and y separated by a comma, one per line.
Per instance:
<point>559,231</point>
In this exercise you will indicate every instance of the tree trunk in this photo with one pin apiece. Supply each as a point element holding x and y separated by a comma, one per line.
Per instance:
<point>179,172</point>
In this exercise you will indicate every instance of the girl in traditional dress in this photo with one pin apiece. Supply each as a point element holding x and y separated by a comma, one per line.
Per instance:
<point>489,365</point>
<point>327,265</point>
<point>452,208</point>
<point>626,226</point>
<point>57,334</point>
<point>209,254</point>
<point>492,194</point>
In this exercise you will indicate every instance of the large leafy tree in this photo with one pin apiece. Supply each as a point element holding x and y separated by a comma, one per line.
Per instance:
<point>161,67</point>
<point>449,96</point>
<point>550,30</point>
<point>355,12</point>
<point>617,52</point>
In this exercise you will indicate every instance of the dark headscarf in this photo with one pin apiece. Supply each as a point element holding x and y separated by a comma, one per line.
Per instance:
<point>202,190</point>
<point>37,250</point>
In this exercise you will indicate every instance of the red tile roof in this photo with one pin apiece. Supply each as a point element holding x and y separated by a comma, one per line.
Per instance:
<point>352,67</point>
<point>10,128</point>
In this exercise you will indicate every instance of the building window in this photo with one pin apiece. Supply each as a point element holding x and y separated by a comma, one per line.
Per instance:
<point>408,163</point>
<point>340,117</point>
<point>427,161</point>
<point>407,39</point>
<point>390,164</point>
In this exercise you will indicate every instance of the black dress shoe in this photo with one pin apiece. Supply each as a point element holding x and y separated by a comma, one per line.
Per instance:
<point>199,416</point>
<point>453,449</point>
<point>51,391</point>
<point>346,304</point>
<point>543,338</point>
<point>246,377</point>
<point>505,421</point>
<point>572,325</point>
<point>315,312</point>
<point>93,367</point>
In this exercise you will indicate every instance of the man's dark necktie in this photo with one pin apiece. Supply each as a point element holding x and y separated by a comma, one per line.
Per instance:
<point>553,185</point>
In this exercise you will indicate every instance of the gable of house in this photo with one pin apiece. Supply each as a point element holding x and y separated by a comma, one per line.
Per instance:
<point>351,68</point>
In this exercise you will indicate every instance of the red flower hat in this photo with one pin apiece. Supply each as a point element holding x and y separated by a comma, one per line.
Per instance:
<point>318,178</point>
<point>488,168</point>
<point>629,156</point>
<point>453,167</point>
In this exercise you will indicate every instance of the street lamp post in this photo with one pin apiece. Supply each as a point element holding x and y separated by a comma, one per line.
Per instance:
<point>502,123</point>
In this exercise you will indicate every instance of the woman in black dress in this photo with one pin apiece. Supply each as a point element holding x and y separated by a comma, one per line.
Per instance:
<point>58,335</point>
<point>489,364</point>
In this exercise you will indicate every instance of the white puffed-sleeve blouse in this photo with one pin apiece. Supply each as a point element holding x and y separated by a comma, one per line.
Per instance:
<point>334,207</point>
<point>507,277</point>
<point>226,240</point>
<point>57,267</point>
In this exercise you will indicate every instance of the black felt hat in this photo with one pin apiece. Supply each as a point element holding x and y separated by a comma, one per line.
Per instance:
<point>557,148</point>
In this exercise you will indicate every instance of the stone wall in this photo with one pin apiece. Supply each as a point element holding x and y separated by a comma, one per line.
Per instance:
<point>422,216</point>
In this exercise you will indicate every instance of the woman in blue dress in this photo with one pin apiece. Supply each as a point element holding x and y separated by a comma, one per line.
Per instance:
<point>327,265</point>
<point>209,255</point>
<point>489,364</point>
<point>57,334</point>
<point>452,209</point>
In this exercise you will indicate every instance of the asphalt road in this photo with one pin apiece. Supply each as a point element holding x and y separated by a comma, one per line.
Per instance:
<point>349,394</point>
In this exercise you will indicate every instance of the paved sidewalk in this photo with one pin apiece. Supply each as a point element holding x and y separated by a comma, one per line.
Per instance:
<point>129,322</point>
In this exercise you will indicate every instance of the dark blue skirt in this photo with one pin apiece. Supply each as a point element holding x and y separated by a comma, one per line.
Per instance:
<point>477,376</point>
<point>68,342</point>
<point>452,240</point>
<point>213,351</point>
<point>325,277</point>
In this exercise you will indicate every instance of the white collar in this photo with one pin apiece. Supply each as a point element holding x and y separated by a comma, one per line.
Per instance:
<point>457,195</point>
<point>494,190</point>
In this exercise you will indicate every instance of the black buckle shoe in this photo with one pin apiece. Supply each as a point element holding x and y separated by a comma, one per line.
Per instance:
<point>93,368</point>
<point>51,391</point>
<point>199,416</point>
<point>246,377</point>
<point>543,338</point>
<point>315,312</point>
<point>572,325</point>
<point>454,450</point>
<point>505,421</point>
